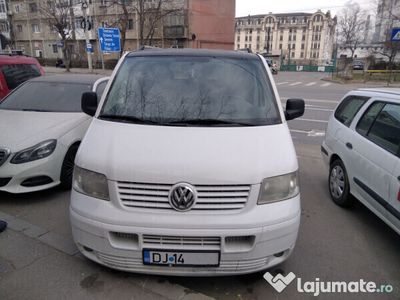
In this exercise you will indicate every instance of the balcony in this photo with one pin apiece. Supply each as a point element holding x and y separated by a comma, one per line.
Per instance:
<point>174,32</point>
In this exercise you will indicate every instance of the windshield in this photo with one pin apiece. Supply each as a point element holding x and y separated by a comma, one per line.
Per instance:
<point>46,96</point>
<point>192,91</point>
<point>17,74</point>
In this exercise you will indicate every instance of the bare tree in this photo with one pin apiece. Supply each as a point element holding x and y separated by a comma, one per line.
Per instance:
<point>148,15</point>
<point>58,15</point>
<point>351,26</point>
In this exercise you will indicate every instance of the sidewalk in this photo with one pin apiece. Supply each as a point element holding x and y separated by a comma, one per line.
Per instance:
<point>36,263</point>
<point>54,70</point>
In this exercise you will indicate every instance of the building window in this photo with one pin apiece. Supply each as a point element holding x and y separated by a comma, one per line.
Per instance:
<point>17,8</point>
<point>246,38</point>
<point>302,46</point>
<point>33,7</point>
<point>258,38</point>
<point>19,28</point>
<point>35,28</point>
<point>280,46</point>
<point>55,48</point>
<point>281,38</point>
<point>130,24</point>
<point>302,55</point>
<point>250,38</point>
<point>238,38</point>
<point>292,54</point>
<point>294,46</point>
<point>2,6</point>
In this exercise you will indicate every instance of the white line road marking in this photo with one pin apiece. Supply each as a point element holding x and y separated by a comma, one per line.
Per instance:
<point>280,83</point>
<point>326,84</point>
<point>295,83</point>
<point>312,120</point>
<point>311,83</point>
<point>311,133</point>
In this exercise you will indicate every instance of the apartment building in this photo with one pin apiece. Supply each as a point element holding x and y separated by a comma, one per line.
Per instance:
<point>4,25</point>
<point>304,38</point>
<point>191,23</point>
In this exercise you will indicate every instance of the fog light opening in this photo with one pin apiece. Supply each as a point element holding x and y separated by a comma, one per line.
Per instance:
<point>87,249</point>
<point>280,254</point>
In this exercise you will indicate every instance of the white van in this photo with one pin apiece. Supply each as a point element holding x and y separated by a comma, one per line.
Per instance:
<point>188,167</point>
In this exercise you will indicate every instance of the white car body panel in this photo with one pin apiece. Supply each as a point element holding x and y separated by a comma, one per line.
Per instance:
<point>366,162</point>
<point>20,130</point>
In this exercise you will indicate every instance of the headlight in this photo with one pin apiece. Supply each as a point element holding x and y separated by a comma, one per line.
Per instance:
<point>90,183</point>
<point>36,152</point>
<point>278,188</point>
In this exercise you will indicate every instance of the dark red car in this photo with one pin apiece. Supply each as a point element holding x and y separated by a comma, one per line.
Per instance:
<point>16,69</point>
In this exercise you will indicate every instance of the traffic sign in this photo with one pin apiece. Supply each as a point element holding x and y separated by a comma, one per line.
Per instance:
<point>110,39</point>
<point>89,48</point>
<point>395,35</point>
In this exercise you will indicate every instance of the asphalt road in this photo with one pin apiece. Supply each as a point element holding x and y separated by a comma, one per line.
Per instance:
<point>321,99</point>
<point>37,258</point>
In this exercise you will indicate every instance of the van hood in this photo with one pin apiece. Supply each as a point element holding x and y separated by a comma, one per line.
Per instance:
<point>22,129</point>
<point>197,155</point>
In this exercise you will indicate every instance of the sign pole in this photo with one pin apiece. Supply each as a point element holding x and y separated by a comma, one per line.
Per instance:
<point>89,55</point>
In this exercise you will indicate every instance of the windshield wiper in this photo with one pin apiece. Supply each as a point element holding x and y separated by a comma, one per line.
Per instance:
<point>210,122</point>
<point>127,119</point>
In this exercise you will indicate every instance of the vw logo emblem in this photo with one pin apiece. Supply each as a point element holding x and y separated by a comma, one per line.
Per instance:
<point>182,196</point>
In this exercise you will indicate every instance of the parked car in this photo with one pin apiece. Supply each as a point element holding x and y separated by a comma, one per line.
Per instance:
<point>41,127</point>
<point>16,69</point>
<point>358,65</point>
<point>362,150</point>
<point>188,167</point>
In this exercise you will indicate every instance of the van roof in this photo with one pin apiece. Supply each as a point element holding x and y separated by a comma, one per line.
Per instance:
<point>192,52</point>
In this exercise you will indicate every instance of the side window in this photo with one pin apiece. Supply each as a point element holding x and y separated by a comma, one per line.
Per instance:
<point>369,117</point>
<point>384,128</point>
<point>349,107</point>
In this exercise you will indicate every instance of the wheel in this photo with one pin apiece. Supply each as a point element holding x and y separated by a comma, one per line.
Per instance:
<point>339,187</point>
<point>67,168</point>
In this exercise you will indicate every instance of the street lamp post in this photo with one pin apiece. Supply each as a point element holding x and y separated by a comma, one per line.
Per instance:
<point>87,41</point>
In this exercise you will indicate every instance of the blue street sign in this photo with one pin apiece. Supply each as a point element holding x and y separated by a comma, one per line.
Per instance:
<point>395,35</point>
<point>89,48</point>
<point>110,40</point>
<point>60,44</point>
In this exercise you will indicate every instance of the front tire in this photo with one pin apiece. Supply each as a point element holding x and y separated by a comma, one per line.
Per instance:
<point>67,168</point>
<point>339,187</point>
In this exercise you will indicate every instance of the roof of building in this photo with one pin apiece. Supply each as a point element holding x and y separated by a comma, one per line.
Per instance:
<point>192,52</point>
<point>69,78</point>
<point>296,14</point>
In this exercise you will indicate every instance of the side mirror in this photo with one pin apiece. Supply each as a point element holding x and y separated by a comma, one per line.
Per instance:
<point>89,103</point>
<point>294,109</point>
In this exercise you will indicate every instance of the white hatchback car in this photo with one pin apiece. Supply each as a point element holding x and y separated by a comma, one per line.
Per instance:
<point>41,127</point>
<point>362,150</point>
<point>188,167</point>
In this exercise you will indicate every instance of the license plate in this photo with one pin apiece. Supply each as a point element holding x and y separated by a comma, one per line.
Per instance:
<point>174,258</point>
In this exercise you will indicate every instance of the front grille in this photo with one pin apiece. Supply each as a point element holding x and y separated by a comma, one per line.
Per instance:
<point>159,240</point>
<point>135,264</point>
<point>209,197</point>
<point>4,153</point>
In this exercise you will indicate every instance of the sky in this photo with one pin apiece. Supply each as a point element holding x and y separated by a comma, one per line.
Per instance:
<point>253,7</point>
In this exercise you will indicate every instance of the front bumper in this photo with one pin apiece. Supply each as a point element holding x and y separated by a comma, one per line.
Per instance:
<point>14,175</point>
<point>272,241</point>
